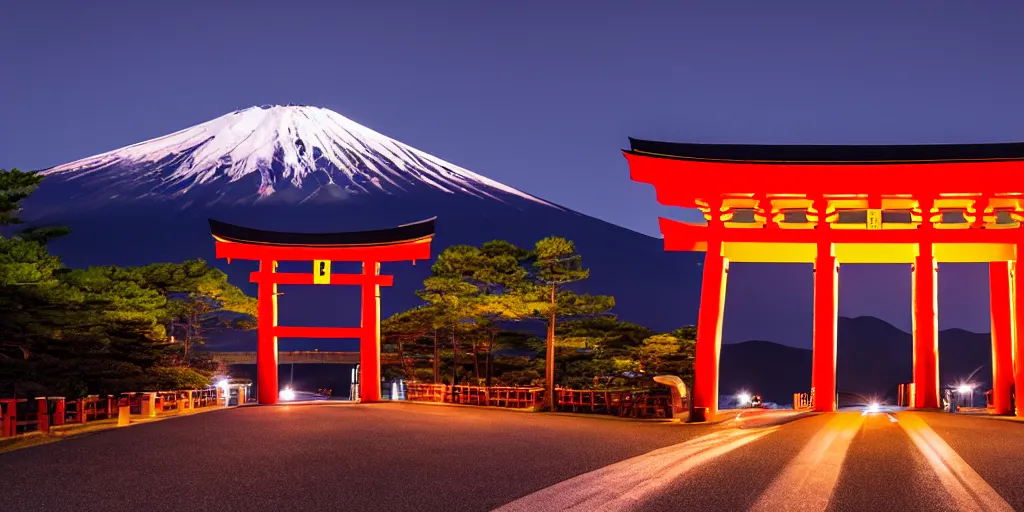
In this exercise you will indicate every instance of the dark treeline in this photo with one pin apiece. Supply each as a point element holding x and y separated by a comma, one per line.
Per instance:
<point>102,329</point>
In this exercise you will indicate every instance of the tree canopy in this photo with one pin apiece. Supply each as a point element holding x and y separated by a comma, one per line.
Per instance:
<point>479,306</point>
<point>15,187</point>
<point>104,329</point>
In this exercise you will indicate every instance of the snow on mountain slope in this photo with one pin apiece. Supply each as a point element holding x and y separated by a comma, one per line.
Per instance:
<point>297,147</point>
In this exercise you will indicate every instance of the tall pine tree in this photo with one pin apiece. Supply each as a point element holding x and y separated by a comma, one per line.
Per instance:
<point>453,298</point>
<point>15,187</point>
<point>504,292</point>
<point>556,265</point>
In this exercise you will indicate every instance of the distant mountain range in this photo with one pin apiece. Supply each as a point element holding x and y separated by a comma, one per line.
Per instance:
<point>874,358</point>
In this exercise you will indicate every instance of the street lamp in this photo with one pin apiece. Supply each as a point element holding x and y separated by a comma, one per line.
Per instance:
<point>966,391</point>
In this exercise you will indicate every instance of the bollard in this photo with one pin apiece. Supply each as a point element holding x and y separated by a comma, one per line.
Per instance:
<point>700,414</point>
<point>42,414</point>
<point>12,418</point>
<point>59,410</point>
<point>179,402</point>
<point>124,415</point>
<point>6,422</point>
<point>148,406</point>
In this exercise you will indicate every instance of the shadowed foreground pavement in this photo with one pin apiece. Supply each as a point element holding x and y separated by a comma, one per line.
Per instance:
<point>350,457</point>
<point>398,457</point>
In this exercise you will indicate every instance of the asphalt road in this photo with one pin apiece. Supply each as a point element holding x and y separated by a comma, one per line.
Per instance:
<point>396,457</point>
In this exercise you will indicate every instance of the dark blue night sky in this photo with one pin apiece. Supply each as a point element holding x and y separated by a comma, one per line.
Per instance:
<point>542,95</point>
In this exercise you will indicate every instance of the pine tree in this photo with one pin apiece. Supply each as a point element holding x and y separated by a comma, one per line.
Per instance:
<point>15,187</point>
<point>505,292</point>
<point>654,353</point>
<point>453,299</point>
<point>197,294</point>
<point>406,330</point>
<point>608,347</point>
<point>682,361</point>
<point>556,264</point>
<point>95,330</point>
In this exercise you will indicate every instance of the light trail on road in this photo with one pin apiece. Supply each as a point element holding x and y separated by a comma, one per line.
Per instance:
<point>971,491</point>
<point>809,480</point>
<point>626,484</point>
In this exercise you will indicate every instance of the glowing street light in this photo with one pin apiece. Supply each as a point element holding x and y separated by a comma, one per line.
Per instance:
<point>286,394</point>
<point>225,387</point>
<point>965,388</point>
<point>872,407</point>
<point>744,398</point>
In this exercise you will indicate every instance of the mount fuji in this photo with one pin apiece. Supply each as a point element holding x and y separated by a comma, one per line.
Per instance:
<point>302,168</point>
<point>291,154</point>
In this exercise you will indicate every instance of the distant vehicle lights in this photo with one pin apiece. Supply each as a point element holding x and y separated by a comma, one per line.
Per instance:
<point>286,394</point>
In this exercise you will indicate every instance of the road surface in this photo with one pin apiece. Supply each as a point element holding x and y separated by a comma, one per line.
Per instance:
<point>398,457</point>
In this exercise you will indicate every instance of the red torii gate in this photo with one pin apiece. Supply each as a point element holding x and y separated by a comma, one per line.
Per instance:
<point>784,204</point>
<point>409,242</point>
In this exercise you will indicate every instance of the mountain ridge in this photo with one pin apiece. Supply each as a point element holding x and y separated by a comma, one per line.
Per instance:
<point>866,363</point>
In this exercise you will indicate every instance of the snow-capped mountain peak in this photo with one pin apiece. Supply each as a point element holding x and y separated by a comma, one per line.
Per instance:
<point>277,147</point>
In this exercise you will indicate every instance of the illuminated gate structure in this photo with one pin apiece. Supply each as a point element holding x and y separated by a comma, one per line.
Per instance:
<point>409,242</point>
<point>829,205</point>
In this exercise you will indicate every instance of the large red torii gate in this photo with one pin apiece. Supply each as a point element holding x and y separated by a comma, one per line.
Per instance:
<point>409,242</point>
<point>783,204</point>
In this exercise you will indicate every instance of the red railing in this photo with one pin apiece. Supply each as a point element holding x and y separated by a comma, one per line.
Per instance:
<point>626,403</point>
<point>515,398</point>
<point>418,392</point>
<point>511,397</point>
<point>22,415</point>
<point>802,401</point>
<point>91,408</point>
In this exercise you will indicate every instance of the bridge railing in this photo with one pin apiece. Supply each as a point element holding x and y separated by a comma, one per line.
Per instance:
<point>802,401</point>
<point>22,415</point>
<point>623,402</point>
<point>494,396</point>
<point>626,403</point>
<point>91,408</point>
